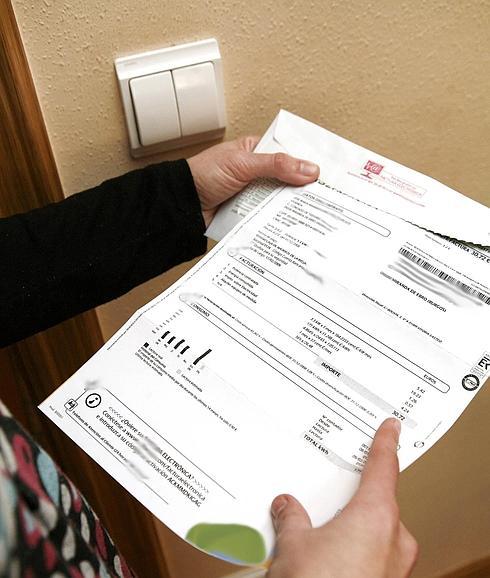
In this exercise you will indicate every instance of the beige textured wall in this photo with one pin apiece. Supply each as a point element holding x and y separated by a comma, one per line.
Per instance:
<point>408,79</point>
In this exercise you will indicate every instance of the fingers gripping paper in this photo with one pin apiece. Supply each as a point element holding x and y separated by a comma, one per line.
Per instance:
<point>368,177</point>
<point>269,366</point>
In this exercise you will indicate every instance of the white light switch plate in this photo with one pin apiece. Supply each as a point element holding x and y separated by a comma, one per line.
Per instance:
<point>153,115</point>
<point>155,108</point>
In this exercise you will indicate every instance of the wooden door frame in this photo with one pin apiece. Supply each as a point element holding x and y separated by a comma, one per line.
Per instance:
<point>31,369</point>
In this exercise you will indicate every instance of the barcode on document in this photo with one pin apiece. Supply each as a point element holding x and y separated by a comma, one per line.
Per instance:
<point>444,276</point>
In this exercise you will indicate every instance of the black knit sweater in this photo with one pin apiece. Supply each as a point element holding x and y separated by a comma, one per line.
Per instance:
<point>67,257</point>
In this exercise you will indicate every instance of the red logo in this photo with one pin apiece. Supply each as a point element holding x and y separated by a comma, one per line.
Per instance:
<point>373,167</point>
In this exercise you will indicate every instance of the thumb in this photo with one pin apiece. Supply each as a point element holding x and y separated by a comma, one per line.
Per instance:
<point>280,166</point>
<point>288,514</point>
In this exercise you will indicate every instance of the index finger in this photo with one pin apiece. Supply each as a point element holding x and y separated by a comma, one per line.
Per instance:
<point>380,475</point>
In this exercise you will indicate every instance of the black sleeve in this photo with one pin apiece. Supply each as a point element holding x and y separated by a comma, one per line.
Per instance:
<point>70,256</point>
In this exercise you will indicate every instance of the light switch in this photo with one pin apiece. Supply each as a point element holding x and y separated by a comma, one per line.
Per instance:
<point>155,108</point>
<point>172,97</point>
<point>197,98</point>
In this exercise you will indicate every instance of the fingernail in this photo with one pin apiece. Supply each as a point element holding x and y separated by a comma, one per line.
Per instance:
<point>397,425</point>
<point>278,505</point>
<point>308,169</point>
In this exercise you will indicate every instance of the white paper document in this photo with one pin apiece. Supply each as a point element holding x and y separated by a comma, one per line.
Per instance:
<point>268,367</point>
<point>368,176</point>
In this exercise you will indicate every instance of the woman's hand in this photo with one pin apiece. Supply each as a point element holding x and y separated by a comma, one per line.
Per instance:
<point>366,540</point>
<point>221,171</point>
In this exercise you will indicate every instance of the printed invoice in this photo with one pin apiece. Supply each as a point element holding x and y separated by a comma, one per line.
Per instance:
<point>269,366</point>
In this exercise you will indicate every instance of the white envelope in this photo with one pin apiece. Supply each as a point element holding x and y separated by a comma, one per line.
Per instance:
<point>375,180</point>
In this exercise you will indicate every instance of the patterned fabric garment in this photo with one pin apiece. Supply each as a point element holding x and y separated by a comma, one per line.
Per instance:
<point>47,529</point>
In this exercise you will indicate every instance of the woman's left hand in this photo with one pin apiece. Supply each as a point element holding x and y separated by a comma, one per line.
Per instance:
<point>222,170</point>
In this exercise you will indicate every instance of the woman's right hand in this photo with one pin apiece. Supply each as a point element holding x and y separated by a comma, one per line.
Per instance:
<point>367,539</point>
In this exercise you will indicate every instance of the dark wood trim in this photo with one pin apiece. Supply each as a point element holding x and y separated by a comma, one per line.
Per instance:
<point>31,369</point>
